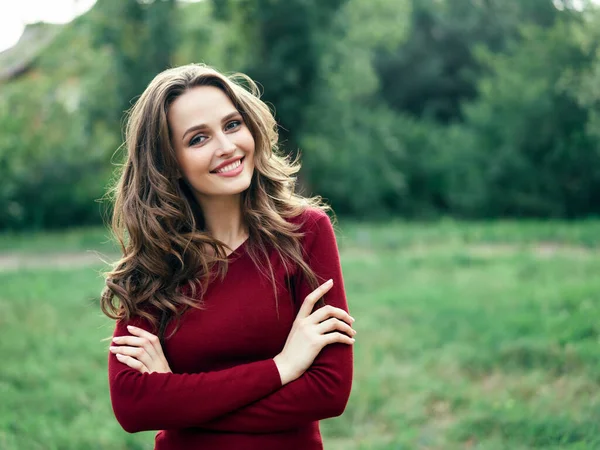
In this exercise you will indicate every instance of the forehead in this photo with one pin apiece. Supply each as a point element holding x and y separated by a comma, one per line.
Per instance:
<point>199,105</point>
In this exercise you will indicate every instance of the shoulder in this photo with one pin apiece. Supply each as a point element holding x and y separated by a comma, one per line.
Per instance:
<point>316,228</point>
<point>311,218</point>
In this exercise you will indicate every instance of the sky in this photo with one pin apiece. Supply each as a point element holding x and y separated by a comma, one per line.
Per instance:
<point>14,15</point>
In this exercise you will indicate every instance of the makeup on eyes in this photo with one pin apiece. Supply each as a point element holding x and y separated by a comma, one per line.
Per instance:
<point>234,116</point>
<point>238,122</point>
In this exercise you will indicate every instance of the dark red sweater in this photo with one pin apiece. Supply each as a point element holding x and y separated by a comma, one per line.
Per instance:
<point>225,391</point>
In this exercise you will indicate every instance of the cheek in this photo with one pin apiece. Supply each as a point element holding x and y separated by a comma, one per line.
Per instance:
<point>194,163</point>
<point>247,142</point>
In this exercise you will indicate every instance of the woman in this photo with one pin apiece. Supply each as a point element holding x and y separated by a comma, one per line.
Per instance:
<point>220,339</point>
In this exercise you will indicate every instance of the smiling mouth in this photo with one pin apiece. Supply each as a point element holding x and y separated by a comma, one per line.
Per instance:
<point>230,167</point>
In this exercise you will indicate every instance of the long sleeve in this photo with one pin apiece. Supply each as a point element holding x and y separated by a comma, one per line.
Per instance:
<point>323,390</point>
<point>155,401</point>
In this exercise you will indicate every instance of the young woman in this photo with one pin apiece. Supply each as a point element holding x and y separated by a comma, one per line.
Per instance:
<point>222,340</point>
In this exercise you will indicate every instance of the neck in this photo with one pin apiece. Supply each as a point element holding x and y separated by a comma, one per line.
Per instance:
<point>223,219</point>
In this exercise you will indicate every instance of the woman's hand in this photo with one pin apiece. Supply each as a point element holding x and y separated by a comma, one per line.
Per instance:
<point>142,351</point>
<point>310,333</point>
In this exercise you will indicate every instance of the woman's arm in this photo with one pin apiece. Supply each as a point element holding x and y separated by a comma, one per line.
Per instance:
<point>155,401</point>
<point>323,390</point>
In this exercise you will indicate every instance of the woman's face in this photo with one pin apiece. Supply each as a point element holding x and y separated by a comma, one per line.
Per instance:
<point>213,145</point>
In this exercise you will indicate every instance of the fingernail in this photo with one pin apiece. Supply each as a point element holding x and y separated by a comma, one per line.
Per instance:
<point>117,339</point>
<point>112,349</point>
<point>119,356</point>
<point>353,340</point>
<point>329,282</point>
<point>352,318</point>
<point>130,327</point>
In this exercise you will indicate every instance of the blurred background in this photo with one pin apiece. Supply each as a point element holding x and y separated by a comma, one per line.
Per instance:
<point>458,142</point>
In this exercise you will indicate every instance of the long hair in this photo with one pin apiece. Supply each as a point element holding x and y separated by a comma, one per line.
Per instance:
<point>165,266</point>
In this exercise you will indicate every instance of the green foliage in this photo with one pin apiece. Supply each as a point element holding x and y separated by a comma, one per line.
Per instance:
<point>540,155</point>
<point>352,150</point>
<point>46,182</point>
<point>61,122</point>
<point>139,40</point>
<point>209,39</point>
<point>436,69</point>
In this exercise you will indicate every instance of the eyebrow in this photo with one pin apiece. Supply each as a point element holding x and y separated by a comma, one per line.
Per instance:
<point>203,125</point>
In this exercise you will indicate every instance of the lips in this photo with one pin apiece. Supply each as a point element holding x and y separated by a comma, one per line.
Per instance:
<point>226,163</point>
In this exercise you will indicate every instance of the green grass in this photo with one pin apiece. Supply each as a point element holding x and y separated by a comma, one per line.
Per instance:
<point>380,236</point>
<point>401,234</point>
<point>73,240</point>
<point>470,336</point>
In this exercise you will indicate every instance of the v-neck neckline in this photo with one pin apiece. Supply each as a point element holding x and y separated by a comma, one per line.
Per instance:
<point>238,249</point>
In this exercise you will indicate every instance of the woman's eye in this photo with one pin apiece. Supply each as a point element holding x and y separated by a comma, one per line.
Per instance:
<point>198,139</point>
<point>233,124</point>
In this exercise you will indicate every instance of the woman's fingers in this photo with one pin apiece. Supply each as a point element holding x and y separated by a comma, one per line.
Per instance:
<point>311,331</point>
<point>143,347</point>
<point>139,353</point>
<point>130,340</point>
<point>133,341</point>
<point>335,324</point>
<point>313,297</point>
<point>328,311</point>
<point>337,338</point>
<point>149,337</point>
<point>141,338</point>
<point>132,362</point>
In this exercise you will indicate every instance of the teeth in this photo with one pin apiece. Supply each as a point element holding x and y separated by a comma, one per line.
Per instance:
<point>231,166</point>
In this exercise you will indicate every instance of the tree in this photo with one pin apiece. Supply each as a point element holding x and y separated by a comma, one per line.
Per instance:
<point>436,69</point>
<point>534,147</point>
<point>138,41</point>
<point>351,146</point>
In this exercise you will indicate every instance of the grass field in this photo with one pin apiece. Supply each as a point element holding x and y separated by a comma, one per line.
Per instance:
<point>470,336</point>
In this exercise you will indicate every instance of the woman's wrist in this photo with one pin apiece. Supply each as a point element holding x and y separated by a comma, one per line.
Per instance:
<point>285,371</point>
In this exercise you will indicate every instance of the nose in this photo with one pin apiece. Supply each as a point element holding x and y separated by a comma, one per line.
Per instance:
<point>226,146</point>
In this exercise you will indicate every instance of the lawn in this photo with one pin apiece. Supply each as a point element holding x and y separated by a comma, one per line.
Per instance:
<point>470,336</point>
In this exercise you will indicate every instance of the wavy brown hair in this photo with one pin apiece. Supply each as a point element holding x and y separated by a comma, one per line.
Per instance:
<point>168,256</point>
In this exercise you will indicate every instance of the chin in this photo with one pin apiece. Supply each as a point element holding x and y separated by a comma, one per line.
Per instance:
<point>245,185</point>
<point>245,180</point>
<point>238,187</point>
